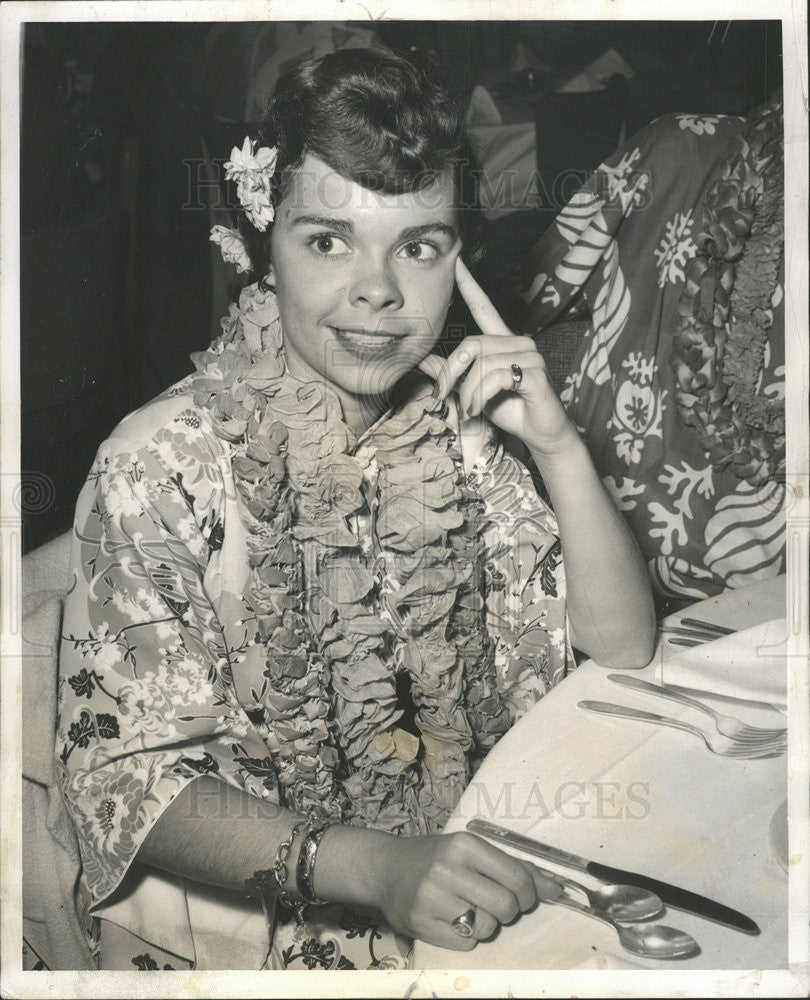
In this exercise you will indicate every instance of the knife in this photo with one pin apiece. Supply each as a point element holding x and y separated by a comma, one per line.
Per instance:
<point>672,895</point>
<point>707,626</point>
<point>691,633</point>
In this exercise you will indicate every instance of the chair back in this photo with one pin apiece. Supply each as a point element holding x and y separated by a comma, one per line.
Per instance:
<point>52,933</point>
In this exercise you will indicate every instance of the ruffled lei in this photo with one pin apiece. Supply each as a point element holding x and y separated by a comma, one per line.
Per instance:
<point>364,561</point>
<point>726,308</point>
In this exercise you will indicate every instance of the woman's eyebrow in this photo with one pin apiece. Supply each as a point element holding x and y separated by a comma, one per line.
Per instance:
<point>416,232</point>
<point>328,221</point>
<point>345,226</point>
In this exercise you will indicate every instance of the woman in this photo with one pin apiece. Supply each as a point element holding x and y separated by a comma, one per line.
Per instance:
<point>312,587</point>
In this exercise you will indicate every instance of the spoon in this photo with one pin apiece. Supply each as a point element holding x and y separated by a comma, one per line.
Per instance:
<point>626,903</point>
<point>620,902</point>
<point>650,941</point>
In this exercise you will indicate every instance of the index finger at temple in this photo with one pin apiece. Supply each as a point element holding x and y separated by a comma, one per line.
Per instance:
<point>484,312</point>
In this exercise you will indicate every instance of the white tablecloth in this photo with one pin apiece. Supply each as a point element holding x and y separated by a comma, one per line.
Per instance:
<point>643,798</point>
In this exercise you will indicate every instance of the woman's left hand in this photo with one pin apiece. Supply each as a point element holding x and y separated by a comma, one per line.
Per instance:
<point>527,407</point>
<point>610,608</point>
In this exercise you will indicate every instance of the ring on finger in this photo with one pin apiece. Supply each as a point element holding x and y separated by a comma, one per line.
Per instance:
<point>517,376</point>
<point>464,924</point>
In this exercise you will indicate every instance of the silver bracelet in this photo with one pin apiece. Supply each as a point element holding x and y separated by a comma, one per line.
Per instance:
<point>305,868</point>
<point>272,881</point>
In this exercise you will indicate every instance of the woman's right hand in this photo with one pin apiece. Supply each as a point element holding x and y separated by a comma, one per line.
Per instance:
<point>428,881</point>
<point>217,835</point>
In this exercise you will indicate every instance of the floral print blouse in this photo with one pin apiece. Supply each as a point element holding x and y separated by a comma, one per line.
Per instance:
<point>155,618</point>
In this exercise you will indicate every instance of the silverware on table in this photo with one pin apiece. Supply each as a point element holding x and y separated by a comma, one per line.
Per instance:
<point>694,632</point>
<point>761,702</point>
<point>672,895</point>
<point>686,642</point>
<point>707,626</point>
<point>728,725</point>
<point>647,940</point>
<point>622,903</point>
<point>723,746</point>
<point>690,633</point>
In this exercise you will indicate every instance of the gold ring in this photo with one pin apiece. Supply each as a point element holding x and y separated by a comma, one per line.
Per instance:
<point>517,376</point>
<point>463,924</point>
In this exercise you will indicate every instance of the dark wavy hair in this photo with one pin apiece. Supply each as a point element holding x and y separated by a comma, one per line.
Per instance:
<point>374,117</point>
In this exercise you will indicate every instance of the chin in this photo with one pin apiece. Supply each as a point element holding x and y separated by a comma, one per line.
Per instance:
<point>375,390</point>
<point>376,379</point>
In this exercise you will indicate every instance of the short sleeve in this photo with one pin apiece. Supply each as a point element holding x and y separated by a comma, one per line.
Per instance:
<point>524,581</point>
<point>145,695</point>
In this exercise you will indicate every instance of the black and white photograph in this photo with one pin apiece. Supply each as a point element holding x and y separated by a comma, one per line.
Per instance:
<point>404,499</point>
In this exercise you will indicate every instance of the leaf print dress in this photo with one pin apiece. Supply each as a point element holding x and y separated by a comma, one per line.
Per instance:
<point>155,623</point>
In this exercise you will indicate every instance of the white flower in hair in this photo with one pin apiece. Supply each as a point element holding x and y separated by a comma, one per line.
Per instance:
<point>252,171</point>
<point>232,246</point>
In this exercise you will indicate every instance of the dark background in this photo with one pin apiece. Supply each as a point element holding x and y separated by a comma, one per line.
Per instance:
<point>118,279</point>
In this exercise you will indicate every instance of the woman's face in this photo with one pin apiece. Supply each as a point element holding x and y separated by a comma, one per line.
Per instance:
<point>363,281</point>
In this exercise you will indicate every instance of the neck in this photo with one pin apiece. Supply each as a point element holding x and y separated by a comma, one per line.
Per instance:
<point>360,412</point>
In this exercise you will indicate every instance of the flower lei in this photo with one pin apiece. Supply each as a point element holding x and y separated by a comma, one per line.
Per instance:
<point>340,615</point>
<point>726,309</point>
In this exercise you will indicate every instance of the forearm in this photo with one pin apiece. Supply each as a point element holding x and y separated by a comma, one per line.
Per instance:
<point>610,604</point>
<point>218,835</point>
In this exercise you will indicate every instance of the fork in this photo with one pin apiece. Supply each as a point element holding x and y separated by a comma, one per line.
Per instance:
<point>726,724</point>
<point>723,746</point>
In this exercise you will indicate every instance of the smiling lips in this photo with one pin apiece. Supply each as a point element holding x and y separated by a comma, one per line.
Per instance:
<point>367,342</point>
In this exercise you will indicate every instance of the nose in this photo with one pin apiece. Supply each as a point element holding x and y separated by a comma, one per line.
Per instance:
<point>375,286</point>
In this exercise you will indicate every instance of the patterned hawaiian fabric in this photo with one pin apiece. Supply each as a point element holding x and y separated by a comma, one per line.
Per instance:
<point>333,937</point>
<point>675,246</point>
<point>161,661</point>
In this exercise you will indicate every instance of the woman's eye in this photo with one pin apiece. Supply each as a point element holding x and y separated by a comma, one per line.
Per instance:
<point>329,246</point>
<point>420,251</point>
